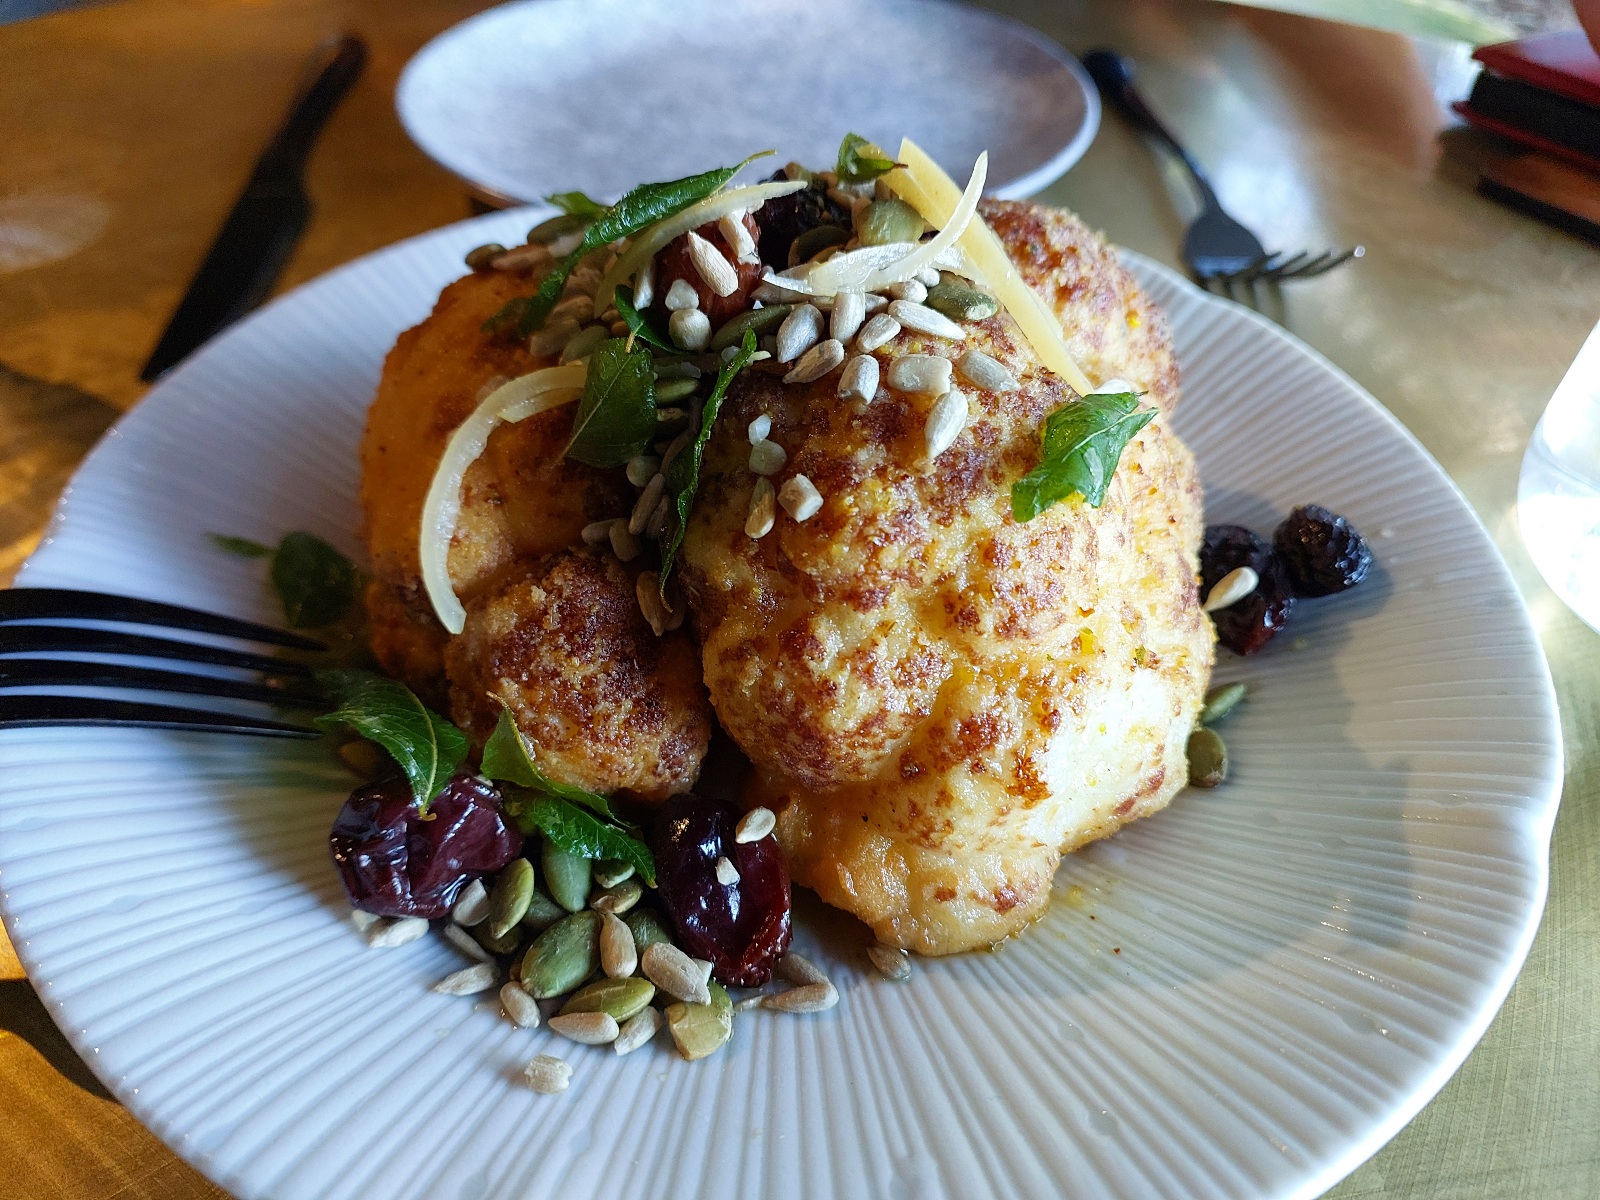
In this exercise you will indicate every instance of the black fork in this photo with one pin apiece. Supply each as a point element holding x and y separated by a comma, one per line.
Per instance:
<point>26,633</point>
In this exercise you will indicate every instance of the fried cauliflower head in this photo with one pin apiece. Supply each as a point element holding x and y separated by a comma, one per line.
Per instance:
<point>938,700</point>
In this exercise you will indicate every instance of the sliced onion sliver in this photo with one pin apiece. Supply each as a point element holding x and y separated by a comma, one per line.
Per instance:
<point>507,404</point>
<point>653,237</point>
<point>803,279</point>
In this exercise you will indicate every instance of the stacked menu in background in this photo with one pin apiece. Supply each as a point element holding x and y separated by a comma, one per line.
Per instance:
<point>1544,93</point>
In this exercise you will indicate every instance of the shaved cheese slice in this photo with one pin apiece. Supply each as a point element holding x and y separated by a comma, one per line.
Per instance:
<point>800,281</point>
<point>924,185</point>
<point>653,237</point>
<point>507,404</point>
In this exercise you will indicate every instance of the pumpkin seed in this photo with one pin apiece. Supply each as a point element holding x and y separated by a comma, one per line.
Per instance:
<point>1220,701</point>
<point>618,899</point>
<point>814,241</point>
<point>674,972</point>
<point>547,1074</point>
<point>362,757</point>
<point>469,981</point>
<point>701,1029</point>
<point>960,302</point>
<point>521,1008</point>
<point>619,957</point>
<point>608,872</point>
<point>542,913</point>
<point>562,957</point>
<point>558,226</point>
<point>566,876</point>
<point>472,905</point>
<point>621,998</point>
<point>672,390</point>
<point>1208,758</point>
<point>587,1028</point>
<point>885,221</point>
<point>507,943</point>
<point>637,1030</point>
<point>647,928</point>
<point>583,343</point>
<point>482,256</point>
<point>510,897</point>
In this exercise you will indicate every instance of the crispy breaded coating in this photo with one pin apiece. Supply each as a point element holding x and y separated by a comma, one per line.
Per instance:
<point>939,700</point>
<point>522,501</point>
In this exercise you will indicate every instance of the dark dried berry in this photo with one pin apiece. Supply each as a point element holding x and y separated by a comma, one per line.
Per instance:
<point>1248,624</point>
<point>741,927</point>
<point>1322,551</point>
<point>1226,548</point>
<point>673,263</point>
<point>785,218</point>
<point>398,864</point>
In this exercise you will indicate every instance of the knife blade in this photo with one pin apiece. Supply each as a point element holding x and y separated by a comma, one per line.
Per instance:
<point>266,221</point>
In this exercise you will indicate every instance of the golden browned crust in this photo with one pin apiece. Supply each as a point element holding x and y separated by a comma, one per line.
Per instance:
<point>608,705</point>
<point>938,699</point>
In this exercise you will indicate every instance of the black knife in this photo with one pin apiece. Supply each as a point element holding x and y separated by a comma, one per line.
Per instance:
<point>266,222</point>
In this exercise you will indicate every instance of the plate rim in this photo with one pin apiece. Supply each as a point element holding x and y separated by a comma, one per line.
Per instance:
<point>1025,185</point>
<point>1538,820</point>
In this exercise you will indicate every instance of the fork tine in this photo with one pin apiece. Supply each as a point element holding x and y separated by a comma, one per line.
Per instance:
<point>1334,260</point>
<point>1282,270</point>
<point>34,639</point>
<point>22,712</point>
<point>35,672</point>
<point>29,604</point>
<point>1307,268</point>
<point>1247,273</point>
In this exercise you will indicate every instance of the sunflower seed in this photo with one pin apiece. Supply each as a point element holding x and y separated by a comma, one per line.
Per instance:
<point>758,429</point>
<point>469,981</point>
<point>809,998</point>
<point>584,280</point>
<point>589,1028</point>
<point>875,303</point>
<point>677,606</point>
<point>800,498</point>
<point>878,331</point>
<point>674,972</point>
<point>510,897</point>
<point>547,1074</point>
<point>763,509</point>
<point>979,369</point>
<point>797,968</point>
<point>465,942</point>
<point>363,920</point>
<point>712,265</point>
<point>608,872</point>
<point>910,290</point>
<point>552,337</point>
<point>531,255</point>
<point>767,457</point>
<point>642,469</point>
<point>816,362</point>
<point>647,591</point>
<point>644,285</point>
<point>737,234</point>
<point>575,308</point>
<point>801,330</point>
<point>928,276</point>
<point>945,422</point>
<point>472,905</point>
<point>625,545</point>
<point>727,873</point>
<point>395,931</point>
<point>1220,701</point>
<point>618,898</point>
<point>1208,758</point>
<point>770,293</point>
<point>566,877</point>
<point>849,311</point>
<point>597,533</point>
<point>1231,588</point>
<point>657,524</point>
<point>582,344</point>
<point>483,256</point>
<point>749,1002</point>
<point>564,244</point>
<point>522,1008</point>
<point>674,448</point>
<point>754,825</point>
<point>859,380</point>
<point>922,319</point>
<point>689,329</point>
<point>892,963</point>
<point>681,296</point>
<point>562,957</point>
<point>637,1030</point>
<point>646,503</point>
<point>920,374</point>
<point>618,956</point>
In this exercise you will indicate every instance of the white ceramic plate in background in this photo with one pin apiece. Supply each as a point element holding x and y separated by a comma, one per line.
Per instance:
<point>1247,996</point>
<point>542,96</point>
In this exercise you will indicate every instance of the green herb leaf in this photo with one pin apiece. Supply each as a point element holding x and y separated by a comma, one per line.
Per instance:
<point>508,757</point>
<point>616,417</point>
<point>683,476</point>
<point>643,206</point>
<point>637,325</point>
<point>315,582</point>
<point>860,160</point>
<point>428,748</point>
<point>1083,441</point>
<point>243,547</point>
<point>576,204</point>
<point>580,832</point>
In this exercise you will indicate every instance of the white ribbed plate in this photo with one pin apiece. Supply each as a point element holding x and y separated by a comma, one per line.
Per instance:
<point>1249,994</point>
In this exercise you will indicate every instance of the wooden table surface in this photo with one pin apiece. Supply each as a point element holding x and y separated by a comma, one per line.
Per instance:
<point>130,128</point>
